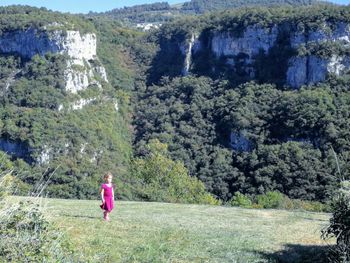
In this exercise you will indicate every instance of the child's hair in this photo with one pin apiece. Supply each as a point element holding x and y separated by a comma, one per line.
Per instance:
<point>108,174</point>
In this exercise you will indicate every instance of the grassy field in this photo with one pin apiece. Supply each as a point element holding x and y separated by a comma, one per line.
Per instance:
<point>163,232</point>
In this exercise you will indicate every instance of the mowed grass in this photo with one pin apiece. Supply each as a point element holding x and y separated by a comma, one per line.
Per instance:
<point>163,232</point>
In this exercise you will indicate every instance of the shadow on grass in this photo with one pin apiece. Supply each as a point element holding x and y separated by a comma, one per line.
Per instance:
<point>80,216</point>
<point>294,253</point>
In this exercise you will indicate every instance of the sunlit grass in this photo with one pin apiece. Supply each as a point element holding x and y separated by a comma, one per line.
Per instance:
<point>163,232</point>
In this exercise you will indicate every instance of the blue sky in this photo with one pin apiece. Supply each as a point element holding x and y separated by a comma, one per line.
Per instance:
<point>84,6</point>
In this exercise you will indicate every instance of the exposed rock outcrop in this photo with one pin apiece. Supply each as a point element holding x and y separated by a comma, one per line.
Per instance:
<point>187,49</point>
<point>83,67</point>
<point>256,40</point>
<point>311,69</point>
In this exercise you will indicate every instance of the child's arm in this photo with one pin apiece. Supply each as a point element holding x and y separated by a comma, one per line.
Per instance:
<point>112,194</point>
<point>102,194</point>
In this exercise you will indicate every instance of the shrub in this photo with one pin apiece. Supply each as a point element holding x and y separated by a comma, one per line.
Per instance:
<point>277,200</point>
<point>5,185</point>
<point>295,204</point>
<point>270,200</point>
<point>162,179</point>
<point>340,225</point>
<point>241,200</point>
<point>26,234</point>
<point>312,206</point>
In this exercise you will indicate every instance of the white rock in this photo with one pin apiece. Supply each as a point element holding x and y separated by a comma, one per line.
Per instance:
<point>188,49</point>
<point>116,105</point>
<point>335,65</point>
<point>80,48</point>
<point>81,103</point>
<point>253,40</point>
<point>102,71</point>
<point>82,147</point>
<point>44,156</point>
<point>307,70</point>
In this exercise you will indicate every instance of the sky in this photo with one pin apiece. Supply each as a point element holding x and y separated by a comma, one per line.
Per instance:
<point>84,6</point>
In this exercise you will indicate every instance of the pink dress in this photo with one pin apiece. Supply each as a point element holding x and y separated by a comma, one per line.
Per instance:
<point>108,205</point>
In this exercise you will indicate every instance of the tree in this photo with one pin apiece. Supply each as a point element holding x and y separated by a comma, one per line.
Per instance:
<point>162,179</point>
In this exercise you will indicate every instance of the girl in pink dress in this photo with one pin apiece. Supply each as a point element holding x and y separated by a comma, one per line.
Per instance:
<point>107,196</point>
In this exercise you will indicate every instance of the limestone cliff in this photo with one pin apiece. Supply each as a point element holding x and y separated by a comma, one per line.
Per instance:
<point>302,69</point>
<point>83,67</point>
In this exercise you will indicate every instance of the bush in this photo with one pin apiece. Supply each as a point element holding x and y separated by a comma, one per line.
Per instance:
<point>311,206</point>
<point>277,200</point>
<point>26,234</point>
<point>270,200</point>
<point>241,200</point>
<point>164,180</point>
<point>5,185</point>
<point>340,225</point>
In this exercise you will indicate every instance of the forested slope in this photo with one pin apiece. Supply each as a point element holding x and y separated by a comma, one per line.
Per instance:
<point>221,95</point>
<point>251,100</point>
<point>65,88</point>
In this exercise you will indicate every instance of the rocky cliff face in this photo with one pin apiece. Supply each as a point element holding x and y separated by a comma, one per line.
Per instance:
<point>187,49</point>
<point>83,69</point>
<point>255,40</point>
<point>312,68</point>
<point>81,50</point>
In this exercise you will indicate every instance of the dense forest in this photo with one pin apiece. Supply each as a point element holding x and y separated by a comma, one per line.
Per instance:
<point>72,147</point>
<point>247,106</point>
<point>250,135</point>
<point>161,12</point>
<point>202,6</point>
<point>214,131</point>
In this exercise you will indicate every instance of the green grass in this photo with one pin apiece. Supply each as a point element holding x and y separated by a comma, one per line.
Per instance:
<point>163,232</point>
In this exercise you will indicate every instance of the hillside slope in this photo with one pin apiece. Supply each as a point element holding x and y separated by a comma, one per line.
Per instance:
<point>163,232</point>
<point>161,12</point>
<point>64,102</point>
<point>252,100</point>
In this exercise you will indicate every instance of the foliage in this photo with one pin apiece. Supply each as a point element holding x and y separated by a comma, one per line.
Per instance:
<point>202,6</point>
<point>161,12</point>
<point>146,13</point>
<point>270,200</point>
<point>241,200</point>
<point>17,17</point>
<point>277,200</point>
<point>26,233</point>
<point>252,137</point>
<point>249,138</point>
<point>79,145</point>
<point>173,37</point>
<point>340,224</point>
<point>6,183</point>
<point>113,49</point>
<point>163,179</point>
